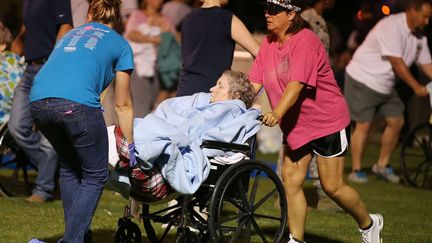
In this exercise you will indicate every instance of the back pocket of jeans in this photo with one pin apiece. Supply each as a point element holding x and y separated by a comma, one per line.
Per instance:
<point>74,121</point>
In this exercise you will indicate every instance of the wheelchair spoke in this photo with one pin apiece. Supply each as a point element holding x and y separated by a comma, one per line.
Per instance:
<point>418,171</point>
<point>172,210</point>
<point>426,173</point>
<point>242,193</point>
<point>254,189</point>
<point>235,204</point>
<point>264,199</point>
<point>240,229</point>
<point>416,155</point>
<point>198,216</point>
<point>419,168</point>
<point>157,218</point>
<point>167,229</point>
<point>425,146</point>
<point>418,140</point>
<point>236,217</point>
<point>267,217</point>
<point>258,230</point>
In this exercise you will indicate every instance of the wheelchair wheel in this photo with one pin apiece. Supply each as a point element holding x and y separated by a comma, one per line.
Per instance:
<point>416,157</point>
<point>244,205</point>
<point>163,220</point>
<point>16,170</point>
<point>186,236</point>
<point>127,232</point>
<point>158,221</point>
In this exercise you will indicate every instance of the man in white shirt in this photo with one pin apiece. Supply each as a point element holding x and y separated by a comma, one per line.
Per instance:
<point>391,47</point>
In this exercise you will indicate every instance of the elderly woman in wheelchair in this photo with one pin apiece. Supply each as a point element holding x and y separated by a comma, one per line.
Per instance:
<point>199,150</point>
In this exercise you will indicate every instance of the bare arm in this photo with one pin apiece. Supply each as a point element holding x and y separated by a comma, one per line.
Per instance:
<point>243,37</point>
<point>136,36</point>
<point>401,70</point>
<point>289,98</point>
<point>18,43</point>
<point>64,28</point>
<point>123,104</point>
<point>256,86</point>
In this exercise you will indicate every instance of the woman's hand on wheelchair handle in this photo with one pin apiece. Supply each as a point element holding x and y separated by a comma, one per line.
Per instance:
<point>270,119</point>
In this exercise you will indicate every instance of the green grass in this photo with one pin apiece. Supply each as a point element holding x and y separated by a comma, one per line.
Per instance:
<point>407,213</point>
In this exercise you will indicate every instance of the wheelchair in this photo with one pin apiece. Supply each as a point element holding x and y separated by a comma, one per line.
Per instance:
<point>241,202</point>
<point>416,157</point>
<point>16,170</point>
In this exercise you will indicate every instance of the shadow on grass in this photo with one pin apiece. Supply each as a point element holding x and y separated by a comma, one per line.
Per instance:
<point>109,235</point>
<point>310,238</point>
<point>98,236</point>
<point>310,193</point>
<point>311,196</point>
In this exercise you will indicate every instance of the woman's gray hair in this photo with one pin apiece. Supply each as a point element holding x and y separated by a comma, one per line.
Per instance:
<point>240,87</point>
<point>5,36</point>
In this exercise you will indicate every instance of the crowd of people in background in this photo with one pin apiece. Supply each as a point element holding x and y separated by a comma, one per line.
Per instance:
<point>35,41</point>
<point>178,48</point>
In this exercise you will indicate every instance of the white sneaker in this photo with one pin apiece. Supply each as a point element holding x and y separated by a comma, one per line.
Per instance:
<point>372,235</point>
<point>292,240</point>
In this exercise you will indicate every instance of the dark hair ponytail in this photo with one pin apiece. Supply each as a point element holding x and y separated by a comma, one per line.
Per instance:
<point>298,23</point>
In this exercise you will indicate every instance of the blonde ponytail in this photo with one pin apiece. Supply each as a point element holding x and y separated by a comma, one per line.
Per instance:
<point>105,11</point>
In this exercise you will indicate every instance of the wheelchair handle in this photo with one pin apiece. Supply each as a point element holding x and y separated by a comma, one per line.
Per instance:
<point>225,146</point>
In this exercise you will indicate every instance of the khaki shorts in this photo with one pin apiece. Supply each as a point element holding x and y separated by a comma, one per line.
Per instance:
<point>364,103</point>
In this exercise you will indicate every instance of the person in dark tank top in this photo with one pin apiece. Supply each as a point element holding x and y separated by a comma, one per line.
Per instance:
<point>209,35</point>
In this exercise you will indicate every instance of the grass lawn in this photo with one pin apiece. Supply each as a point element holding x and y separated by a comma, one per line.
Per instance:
<point>407,213</point>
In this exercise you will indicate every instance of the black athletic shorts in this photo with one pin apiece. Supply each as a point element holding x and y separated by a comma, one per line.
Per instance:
<point>332,145</point>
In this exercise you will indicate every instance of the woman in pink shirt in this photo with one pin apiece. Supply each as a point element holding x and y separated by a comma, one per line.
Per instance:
<point>293,68</point>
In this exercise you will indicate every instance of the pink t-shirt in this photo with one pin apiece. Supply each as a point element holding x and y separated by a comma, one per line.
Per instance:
<point>321,108</point>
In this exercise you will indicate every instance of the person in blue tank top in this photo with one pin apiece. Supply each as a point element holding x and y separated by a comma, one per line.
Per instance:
<point>65,105</point>
<point>209,35</point>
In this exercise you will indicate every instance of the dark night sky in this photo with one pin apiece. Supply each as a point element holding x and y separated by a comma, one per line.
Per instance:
<point>342,16</point>
<point>249,11</point>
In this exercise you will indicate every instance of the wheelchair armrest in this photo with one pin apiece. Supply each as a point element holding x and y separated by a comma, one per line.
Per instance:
<point>225,146</point>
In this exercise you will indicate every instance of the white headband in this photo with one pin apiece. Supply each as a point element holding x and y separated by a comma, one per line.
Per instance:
<point>285,4</point>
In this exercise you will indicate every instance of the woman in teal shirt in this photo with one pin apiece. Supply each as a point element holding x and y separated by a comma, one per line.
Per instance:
<point>65,106</point>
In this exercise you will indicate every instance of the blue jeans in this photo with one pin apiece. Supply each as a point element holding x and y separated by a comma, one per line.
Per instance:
<point>79,135</point>
<point>33,143</point>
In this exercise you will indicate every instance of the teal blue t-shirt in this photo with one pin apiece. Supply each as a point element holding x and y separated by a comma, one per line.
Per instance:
<point>82,64</point>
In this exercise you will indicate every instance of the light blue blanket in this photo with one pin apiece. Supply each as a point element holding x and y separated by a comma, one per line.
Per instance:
<point>170,137</point>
